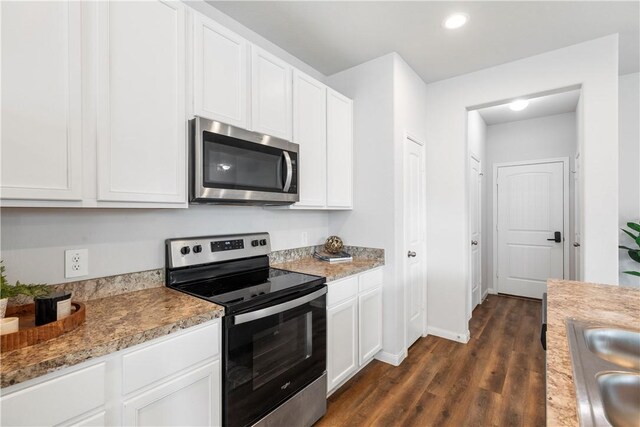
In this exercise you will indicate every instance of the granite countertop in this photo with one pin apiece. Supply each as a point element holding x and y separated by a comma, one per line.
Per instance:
<point>112,323</point>
<point>584,301</point>
<point>332,272</point>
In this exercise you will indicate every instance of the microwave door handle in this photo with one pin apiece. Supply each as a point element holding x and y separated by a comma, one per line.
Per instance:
<point>287,181</point>
<point>270,311</point>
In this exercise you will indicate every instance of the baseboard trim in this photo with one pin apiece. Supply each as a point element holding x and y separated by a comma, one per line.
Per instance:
<point>390,358</point>
<point>449,335</point>
<point>492,291</point>
<point>484,295</point>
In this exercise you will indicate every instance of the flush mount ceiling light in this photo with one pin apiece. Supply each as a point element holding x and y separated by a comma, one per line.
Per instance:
<point>519,105</point>
<point>455,20</point>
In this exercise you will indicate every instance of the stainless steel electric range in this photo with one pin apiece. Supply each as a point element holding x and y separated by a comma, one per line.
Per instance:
<point>274,328</point>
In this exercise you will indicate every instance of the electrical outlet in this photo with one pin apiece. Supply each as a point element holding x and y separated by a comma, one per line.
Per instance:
<point>305,239</point>
<point>76,263</point>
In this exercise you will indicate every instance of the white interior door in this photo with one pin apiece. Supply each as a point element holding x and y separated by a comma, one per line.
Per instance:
<point>475,221</point>
<point>414,238</point>
<point>530,210</point>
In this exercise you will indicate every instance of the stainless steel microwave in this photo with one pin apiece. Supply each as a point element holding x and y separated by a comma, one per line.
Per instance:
<point>230,165</point>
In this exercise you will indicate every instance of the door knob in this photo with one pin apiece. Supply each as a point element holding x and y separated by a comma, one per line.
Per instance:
<point>576,244</point>
<point>411,254</point>
<point>474,242</point>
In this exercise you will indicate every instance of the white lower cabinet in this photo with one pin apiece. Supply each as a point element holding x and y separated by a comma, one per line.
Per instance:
<point>354,325</point>
<point>342,343</point>
<point>183,387</point>
<point>191,399</point>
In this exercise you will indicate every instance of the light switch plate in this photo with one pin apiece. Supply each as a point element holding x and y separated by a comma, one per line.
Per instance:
<point>76,263</point>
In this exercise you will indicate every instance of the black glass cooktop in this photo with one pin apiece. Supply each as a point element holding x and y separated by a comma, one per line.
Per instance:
<point>249,290</point>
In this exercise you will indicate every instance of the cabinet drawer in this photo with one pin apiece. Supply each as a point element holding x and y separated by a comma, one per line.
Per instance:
<point>57,400</point>
<point>370,279</point>
<point>341,290</point>
<point>169,356</point>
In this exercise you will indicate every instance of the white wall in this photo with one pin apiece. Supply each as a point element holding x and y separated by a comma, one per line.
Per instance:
<point>593,64</point>
<point>477,140</point>
<point>629,94</point>
<point>540,138</point>
<point>124,241</point>
<point>389,99</point>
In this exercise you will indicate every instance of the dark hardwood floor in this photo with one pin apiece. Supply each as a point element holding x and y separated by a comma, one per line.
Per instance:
<point>497,379</point>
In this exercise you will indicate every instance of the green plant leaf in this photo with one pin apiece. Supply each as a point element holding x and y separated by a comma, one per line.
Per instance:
<point>638,241</point>
<point>626,247</point>
<point>634,226</point>
<point>632,273</point>
<point>630,234</point>
<point>635,255</point>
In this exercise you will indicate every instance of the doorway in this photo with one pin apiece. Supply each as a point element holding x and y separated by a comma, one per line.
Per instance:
<point>414,239</point>
<point>531,206</point>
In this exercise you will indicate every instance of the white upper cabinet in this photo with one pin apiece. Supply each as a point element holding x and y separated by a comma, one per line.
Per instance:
<point>271,99</point>
<point>220,73</point>
<point>339,151</point>
<point>41,100</point>
<point>310,132</point>
<point>141,118</point>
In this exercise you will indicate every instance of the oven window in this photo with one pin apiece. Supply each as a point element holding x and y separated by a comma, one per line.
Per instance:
<point>234,164</point>
<point>281,347</point>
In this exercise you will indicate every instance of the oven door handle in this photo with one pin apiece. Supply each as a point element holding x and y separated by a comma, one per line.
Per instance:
<point>270,311</point>
<point>289,168</point>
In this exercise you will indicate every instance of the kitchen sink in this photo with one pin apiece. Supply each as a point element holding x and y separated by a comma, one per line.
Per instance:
<point>621,398</point>
<point>619,346</point>
<point>606,368</point>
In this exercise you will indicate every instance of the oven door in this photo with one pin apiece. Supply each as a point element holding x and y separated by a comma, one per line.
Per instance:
<point>271,354</point>
<point>234,165</point>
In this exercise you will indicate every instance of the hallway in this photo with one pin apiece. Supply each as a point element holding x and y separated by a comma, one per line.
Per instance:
<point>497,379</point>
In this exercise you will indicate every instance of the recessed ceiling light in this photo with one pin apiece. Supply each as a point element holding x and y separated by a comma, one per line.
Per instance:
<point>455,20</point>
<point>519,105</point>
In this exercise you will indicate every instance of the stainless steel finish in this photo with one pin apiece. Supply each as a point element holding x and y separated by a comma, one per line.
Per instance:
<point>177,259</point>
<point>287,160</point>
<point>201,194</point>
<point>474,242</point>
<point>576,244</point>
<point>411,254</point>
<point>619,346</point>
<point>303,409</point>
<point>269,311</point>
<point>621,398</point>
<point>606,373</point>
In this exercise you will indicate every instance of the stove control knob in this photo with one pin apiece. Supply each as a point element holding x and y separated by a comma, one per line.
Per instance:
<point>263,242</point>
<point>185,250</point>
<point>254,243</point>
<point>197,249</point>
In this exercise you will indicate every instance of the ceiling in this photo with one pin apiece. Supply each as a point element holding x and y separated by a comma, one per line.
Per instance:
<point>548,105</point>
<point>332,36</point>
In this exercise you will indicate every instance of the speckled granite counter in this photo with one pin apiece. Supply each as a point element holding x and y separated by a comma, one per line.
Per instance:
<point>584,301</point>
<point>113,323</point>
<point>363,259</point>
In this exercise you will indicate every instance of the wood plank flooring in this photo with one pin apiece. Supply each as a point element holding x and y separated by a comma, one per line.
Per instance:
<point>497,379</point>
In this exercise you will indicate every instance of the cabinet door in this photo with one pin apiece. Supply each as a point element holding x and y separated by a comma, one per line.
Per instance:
<point>369,324</point>
<point>342,342</point>
<point>270,94</point>
<point>41,100</point>
<point>310,132</point>
<point>192,399</point>
<point>220,73</point>
<point>57,400</point>
<point>141,118</point>
<point>339,151</point>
